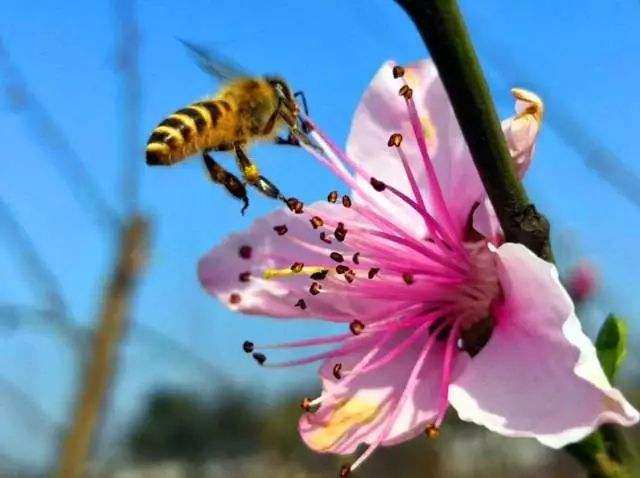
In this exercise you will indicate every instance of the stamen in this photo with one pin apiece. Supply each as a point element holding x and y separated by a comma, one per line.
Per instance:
<point>395,140</point>
<point>320,275</point>
<point>315,288</point>
<point>244,276</point>
<point>332,197</point>
<point>281,230</point>
<point>356,258</point>
<point>297,267</point>
<point>432,431</point>
<point>301,303</point>
<point>308,406</point>
<point>245,252</point>
<point>260,358</point>
<point>235,298</point>
<point>247,346</point>
<point>398,71</point>
<point>406,91</point>
<point>336,371</point>
<point>377,185</point>
<point>341,269</point>
<point>272,273</point>
<point>340,233</point>
<point>331,339</point>
<point>316,222</point>
<point>356,327</point>
<point>350,276</point>
<point>346,201</point>
<point>336,256</point>
<point>324,238</point>
<point>407,278</point>
<point>372,272</point>
<point>447,369</point>
<point>295,205</point>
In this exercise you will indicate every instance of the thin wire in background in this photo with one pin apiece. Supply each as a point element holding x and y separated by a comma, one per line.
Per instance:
<point>58,150</point>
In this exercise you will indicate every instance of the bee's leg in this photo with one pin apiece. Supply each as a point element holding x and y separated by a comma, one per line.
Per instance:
<point>304,101</point>
<point>221,176</point>
<point>290,140</point>
<point>253,177</point>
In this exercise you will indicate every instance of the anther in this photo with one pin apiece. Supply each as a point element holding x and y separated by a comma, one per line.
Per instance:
<point>336,256</point>
<point>234,298</point>
<point>247,346</point>
<point>350,276</point>
<point>244,276</point>
<point>372,272</point>
<point>341,269</point>
<point>345,471</point>
<point>245,252</point>
<point>340,233</point>
<point>432,431</point>
<point>295,205</point>
<point>305,404</point>
<point>356,258</point>
<point>395,140</point>
<point>315,288</point>
<point>320,275</point>
<point>324,238</point>
<point>316,222</point>
<point>407,278</point>
<point>281,230</point>
<point>346,201</point>
<point>301,303</point>
<point>332,197</point>
<point>406,91</point>
<point>377,184</point>
<point>260,358</point>
<point>336,371</point>
<point>297,267</point>
<point>398,71</point>
<point>356,327</point>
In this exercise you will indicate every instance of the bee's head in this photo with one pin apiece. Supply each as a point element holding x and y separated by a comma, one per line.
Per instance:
<point>283,92</point>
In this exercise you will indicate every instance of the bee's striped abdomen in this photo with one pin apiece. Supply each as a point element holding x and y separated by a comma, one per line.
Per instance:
<point>186,132</point>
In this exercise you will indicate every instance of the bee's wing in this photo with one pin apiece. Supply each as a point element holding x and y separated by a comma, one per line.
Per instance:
<point>214,64</point>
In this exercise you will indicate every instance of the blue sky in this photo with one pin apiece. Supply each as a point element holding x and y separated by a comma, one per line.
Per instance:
<point>584,54</point>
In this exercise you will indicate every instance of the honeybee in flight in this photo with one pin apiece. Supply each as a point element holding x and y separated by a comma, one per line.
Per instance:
<point>245,109</point>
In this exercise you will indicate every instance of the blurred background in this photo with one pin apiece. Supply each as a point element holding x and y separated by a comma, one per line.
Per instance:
<point>82,84</point>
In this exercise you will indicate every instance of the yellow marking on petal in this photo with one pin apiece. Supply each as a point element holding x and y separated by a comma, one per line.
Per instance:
<point>273,273</point>
<point>347,415</point>
<point>533,105</point>
<point>411,78</point>
<point>251,173</point>
<point>428,129</point>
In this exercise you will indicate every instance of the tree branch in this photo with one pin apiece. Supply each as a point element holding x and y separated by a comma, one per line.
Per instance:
<point>115,310</point>
<point>442,28</point>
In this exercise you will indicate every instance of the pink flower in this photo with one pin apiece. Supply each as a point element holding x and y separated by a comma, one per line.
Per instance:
<point>440,310</point>
<point>582,281</point>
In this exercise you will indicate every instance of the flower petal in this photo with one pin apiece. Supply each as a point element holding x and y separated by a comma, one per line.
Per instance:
<point>356,413</point>
<point>539,375</point>
<point>220,270</point>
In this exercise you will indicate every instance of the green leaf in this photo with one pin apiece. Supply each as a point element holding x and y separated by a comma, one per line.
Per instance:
<point>611,345</point>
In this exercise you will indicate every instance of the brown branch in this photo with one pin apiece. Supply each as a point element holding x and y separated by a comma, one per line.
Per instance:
<point>115,309</point>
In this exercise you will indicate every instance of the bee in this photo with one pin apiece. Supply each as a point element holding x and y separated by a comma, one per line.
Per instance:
<point>246,109</point>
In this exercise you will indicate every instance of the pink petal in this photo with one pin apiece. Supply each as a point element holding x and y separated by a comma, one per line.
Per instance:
<point>219,271</point>
<point>521,132</point>
<point>539,375</point>
<point>356,413</point>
